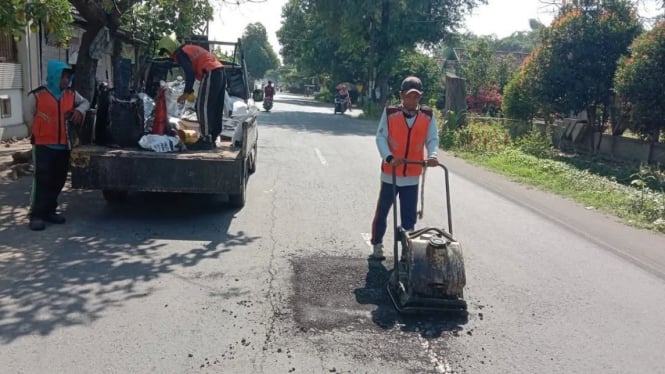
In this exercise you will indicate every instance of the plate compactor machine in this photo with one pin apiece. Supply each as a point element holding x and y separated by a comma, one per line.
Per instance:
<point>429,275</point>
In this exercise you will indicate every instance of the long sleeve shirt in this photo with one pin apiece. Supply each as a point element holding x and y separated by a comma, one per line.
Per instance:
<point>431,144</point>
<point>186,64</point>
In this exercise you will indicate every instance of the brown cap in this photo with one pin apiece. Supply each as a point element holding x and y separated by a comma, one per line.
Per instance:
<point>412,84</point>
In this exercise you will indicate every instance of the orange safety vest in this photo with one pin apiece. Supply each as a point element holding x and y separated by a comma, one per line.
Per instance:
<point>202,60</point>
<point>405,142</point>
<point>49,122</point>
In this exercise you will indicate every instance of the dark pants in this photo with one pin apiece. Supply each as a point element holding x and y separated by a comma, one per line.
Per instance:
<point>51,166</point>
<point>210,103</point>
<point>408,209</point>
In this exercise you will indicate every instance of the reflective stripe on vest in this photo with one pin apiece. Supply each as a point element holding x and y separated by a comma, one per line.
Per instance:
<point>405,142</point>
<point>49,121</point>
<point>202,60</point>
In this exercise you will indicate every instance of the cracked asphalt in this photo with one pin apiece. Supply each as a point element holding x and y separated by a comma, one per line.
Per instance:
<point>169,283</point>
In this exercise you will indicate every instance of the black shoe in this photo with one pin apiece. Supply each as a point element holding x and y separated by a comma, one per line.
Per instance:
<point>37,224</point>
<point>55,218</point>
<point>202,145</point>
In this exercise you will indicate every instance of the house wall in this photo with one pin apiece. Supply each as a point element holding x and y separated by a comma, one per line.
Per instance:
<point>11,101</point>
<point>33,54</point>
<point>50,51</point>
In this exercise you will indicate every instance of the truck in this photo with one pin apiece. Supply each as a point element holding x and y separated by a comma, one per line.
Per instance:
<point>119,170</point>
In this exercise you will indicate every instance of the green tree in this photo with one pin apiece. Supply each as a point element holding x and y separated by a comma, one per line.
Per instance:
<point>485,72</point>
<point>373,30</point>
<point>423,66</point>
<point>519,94</point>
<point>476,66</point>
<point>640,83</point>
<point>151,19</point>
<point>308,44</point>
<point>579,56</point>
<point>259,54</point>
<point>55,15</point>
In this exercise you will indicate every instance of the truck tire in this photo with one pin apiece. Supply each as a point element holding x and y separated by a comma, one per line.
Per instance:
<point>238,200</point>
<point>114,197</point>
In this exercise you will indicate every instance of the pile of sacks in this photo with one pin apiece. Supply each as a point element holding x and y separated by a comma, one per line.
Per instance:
<point>171,126</point>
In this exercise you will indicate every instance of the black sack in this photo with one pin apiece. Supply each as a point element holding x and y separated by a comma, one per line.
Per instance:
<point>125,121</point>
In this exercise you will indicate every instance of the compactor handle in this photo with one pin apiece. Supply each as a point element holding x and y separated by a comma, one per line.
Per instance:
<point>447,185</point>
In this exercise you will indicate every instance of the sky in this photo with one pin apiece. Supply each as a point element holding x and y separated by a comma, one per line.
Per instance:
<point>498,17</point>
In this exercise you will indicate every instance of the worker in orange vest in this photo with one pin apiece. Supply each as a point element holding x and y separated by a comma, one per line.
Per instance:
<point>50,107</point>
<point>197,63</point>
<point>406,132</point>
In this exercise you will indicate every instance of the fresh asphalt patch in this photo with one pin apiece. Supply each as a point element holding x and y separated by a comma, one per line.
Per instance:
<point>339,293</point>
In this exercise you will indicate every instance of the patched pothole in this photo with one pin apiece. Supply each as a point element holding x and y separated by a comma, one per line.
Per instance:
<point>338,292</point>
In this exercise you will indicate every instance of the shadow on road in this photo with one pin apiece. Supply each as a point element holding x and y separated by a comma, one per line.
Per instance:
<point>386,316</point>
<point>102,257</point>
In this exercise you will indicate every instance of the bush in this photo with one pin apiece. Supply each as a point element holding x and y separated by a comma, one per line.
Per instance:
<point>324,96</point>
<point>536,143</point>
<point>372,110</point>
<point>482,138</point>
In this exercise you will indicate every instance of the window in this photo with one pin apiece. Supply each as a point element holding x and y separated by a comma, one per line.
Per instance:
<point>5,106</point>
<point>7,48</point>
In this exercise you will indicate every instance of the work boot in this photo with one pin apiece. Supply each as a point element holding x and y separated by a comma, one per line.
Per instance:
<point>37,224</point>
<point>203,144</point>
<point>377,253</point>
<point>56,218</point>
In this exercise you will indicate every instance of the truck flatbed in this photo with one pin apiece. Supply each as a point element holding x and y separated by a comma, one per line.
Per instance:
<point>117,171</point>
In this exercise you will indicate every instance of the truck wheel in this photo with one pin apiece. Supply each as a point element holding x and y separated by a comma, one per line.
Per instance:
<point>238,200</point>
<point>113,197</point>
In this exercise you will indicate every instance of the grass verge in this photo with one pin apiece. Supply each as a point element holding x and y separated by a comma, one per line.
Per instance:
<point>634,194</point>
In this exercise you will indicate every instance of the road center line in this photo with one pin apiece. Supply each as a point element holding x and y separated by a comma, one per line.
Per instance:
<point>320,156</point>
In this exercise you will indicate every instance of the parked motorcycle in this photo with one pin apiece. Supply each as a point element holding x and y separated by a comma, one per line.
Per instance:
<point>267,104</point>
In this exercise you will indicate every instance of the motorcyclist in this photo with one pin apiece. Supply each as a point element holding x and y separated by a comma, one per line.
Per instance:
<point>268,94</point>
<point>269,91</point>
<point>343,93</point>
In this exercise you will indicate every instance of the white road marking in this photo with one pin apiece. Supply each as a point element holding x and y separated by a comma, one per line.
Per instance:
<point>320,156</point>
<point>441,365</point>
<point>367,237</point>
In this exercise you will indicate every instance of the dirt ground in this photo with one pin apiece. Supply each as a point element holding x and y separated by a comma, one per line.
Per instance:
<point>9,169</point>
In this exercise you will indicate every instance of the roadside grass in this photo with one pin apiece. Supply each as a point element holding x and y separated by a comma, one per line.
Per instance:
<point>632,192</point>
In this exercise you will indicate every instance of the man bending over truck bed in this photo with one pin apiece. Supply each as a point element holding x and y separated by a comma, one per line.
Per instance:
<point>203,66</point>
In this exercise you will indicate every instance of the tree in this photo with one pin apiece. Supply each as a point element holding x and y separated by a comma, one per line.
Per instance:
<point>424,67</point>
<point>518,99</point>
<point>375,30</point>
<point>259,54</point>
<point>308,45</point>
<point>485,74</point>
<point>578,58</point>
<point>640,83</point>
<point>143,16</point>
<point>152,19</point>
<point>54,15</point>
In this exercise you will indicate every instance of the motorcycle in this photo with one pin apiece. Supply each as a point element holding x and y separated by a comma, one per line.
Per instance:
<point>341,104</point>
<point>267,104</point>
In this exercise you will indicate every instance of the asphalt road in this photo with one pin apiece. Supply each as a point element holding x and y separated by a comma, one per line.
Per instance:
<point>175,284</point>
